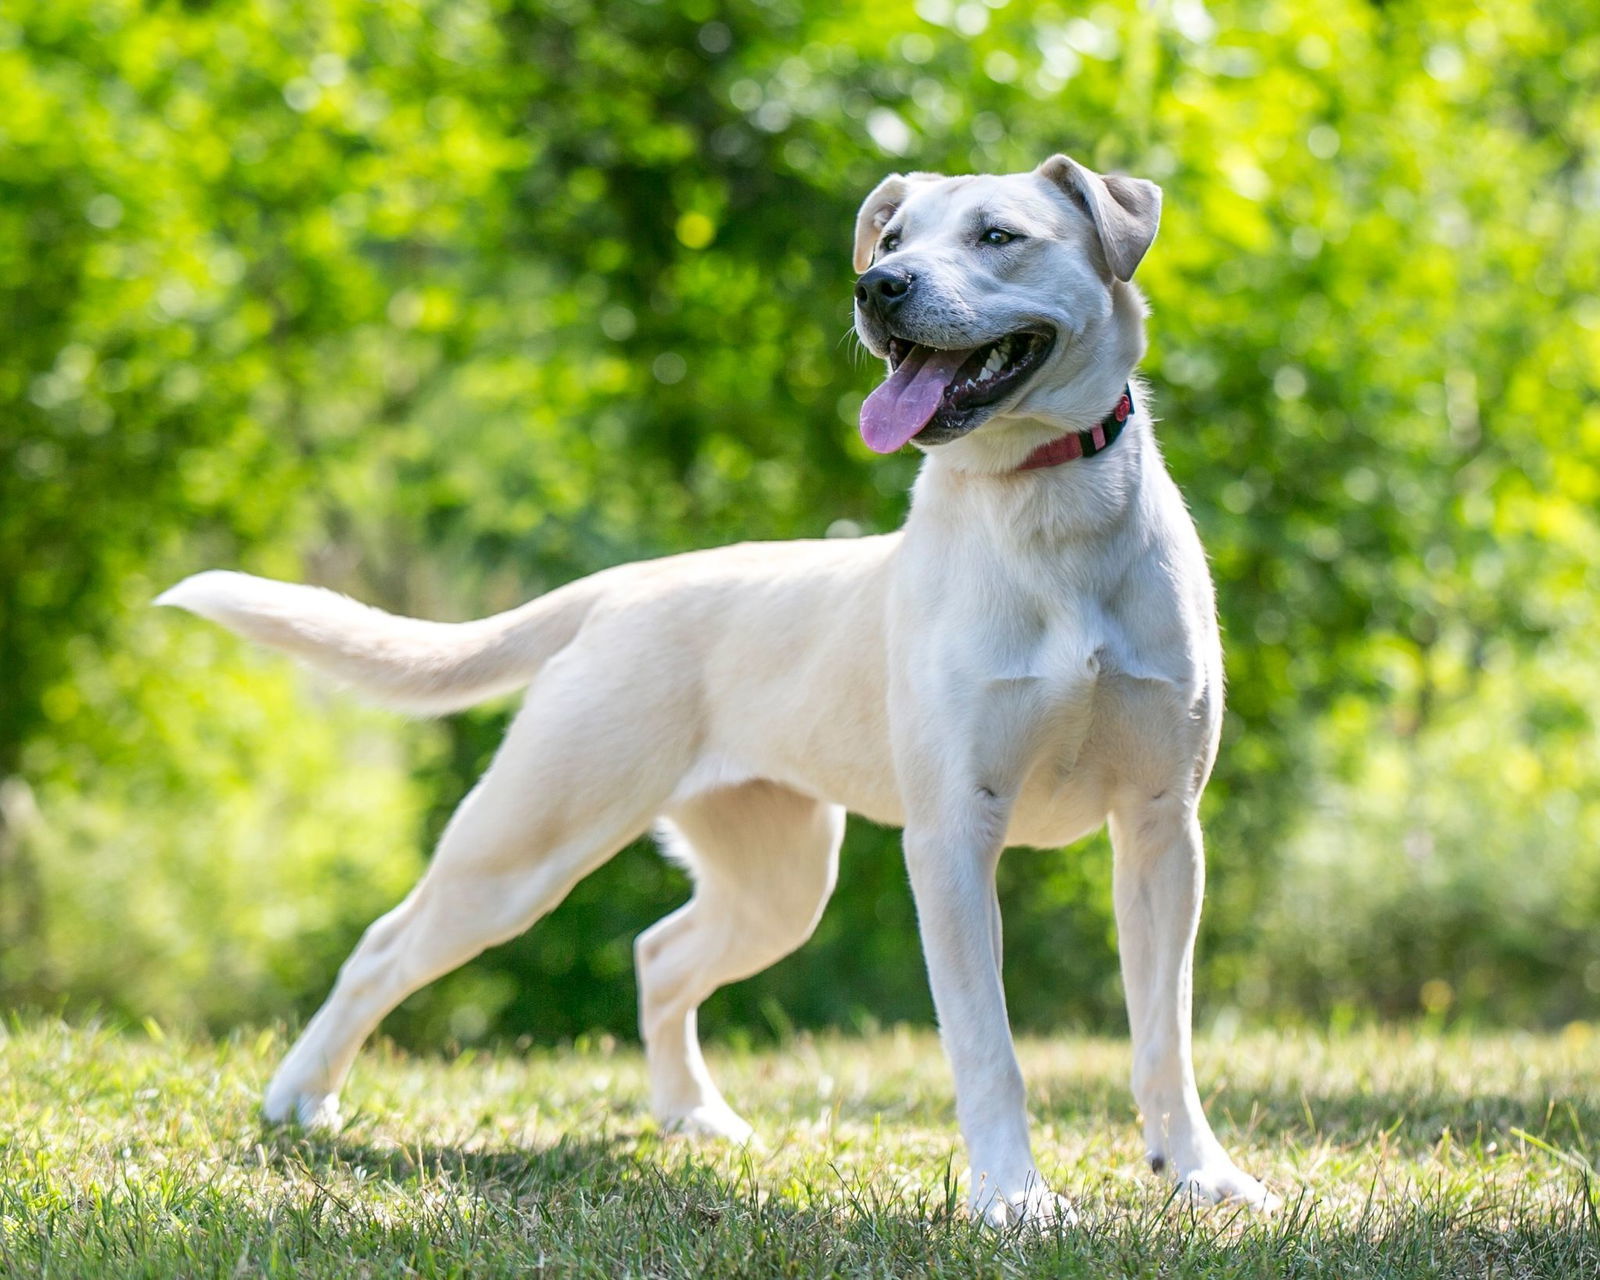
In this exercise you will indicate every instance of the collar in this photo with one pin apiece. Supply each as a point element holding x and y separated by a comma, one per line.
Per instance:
<point>1083,444</point>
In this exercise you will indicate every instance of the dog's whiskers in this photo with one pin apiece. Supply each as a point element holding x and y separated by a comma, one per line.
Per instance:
<point>859,353</point>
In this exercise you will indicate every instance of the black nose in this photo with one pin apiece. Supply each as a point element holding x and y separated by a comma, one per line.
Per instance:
<point>883,288</point>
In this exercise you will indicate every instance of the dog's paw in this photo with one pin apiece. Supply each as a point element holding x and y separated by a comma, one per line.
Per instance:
<point>1036,1209</point>
<point>316,1112</point>
<point>1220,1181</point>
<point>711,1121</point>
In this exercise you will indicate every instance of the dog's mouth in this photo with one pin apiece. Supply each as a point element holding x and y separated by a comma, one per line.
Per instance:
<point>933,394</point>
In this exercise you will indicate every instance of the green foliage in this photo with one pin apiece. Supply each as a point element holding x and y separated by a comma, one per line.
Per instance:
<point>443,304</point>
<point>211,870</point>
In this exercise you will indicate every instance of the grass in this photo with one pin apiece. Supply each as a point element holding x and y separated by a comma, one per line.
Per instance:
<point>1397,1154</point>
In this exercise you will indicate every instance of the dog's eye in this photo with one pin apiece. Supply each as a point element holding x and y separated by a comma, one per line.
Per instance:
<point>889,243</point>
<point>994,235</point>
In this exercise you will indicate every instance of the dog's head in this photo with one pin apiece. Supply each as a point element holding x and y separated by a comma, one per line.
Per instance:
<point>990,296</point>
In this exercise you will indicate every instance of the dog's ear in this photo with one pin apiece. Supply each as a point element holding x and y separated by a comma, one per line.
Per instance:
<point>878,208</point>
<point>1125,211</point>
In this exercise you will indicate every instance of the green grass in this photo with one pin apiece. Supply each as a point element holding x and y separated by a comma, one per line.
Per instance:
<point>1397,1154</point>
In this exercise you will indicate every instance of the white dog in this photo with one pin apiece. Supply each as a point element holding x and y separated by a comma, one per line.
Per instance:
<point>1035,653</point>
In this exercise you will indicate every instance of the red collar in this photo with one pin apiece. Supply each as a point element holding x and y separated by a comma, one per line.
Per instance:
<point>1082,444</point>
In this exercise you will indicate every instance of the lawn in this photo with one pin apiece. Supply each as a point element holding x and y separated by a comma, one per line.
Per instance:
<point>1397,1153</point>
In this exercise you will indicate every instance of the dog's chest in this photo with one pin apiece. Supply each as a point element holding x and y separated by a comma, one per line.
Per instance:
<point>1053,695</point>
<point>1025,682</point>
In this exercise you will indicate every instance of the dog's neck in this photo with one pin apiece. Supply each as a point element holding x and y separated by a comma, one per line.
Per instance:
<point>1077,502</point>
<point>1054,507</point>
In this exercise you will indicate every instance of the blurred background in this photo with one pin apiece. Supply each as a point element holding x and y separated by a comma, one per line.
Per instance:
<point>444,302</point>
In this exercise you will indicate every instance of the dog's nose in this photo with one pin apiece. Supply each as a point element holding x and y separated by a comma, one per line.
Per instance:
<point>883,288</point>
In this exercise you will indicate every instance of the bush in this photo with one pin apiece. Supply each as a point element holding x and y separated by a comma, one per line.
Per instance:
<point>443,304</point>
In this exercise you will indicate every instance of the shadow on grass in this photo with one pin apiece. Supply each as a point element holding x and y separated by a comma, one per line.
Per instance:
<point>601,1165</point>
<point>627,1204</point>
<point>615,1205</point>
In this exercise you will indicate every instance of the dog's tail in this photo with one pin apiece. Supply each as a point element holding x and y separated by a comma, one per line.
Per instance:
<point>426,667</point>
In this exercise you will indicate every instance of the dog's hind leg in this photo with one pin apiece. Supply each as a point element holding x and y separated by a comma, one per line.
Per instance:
<point>764,860</point>
<point>1157,879</point>
<point>579,776</point>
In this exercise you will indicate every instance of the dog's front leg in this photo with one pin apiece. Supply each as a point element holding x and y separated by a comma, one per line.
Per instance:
<point>952,860</point>
<point>1159,872</point>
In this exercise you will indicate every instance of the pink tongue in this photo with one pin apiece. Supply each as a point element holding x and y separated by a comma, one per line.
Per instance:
<point>908,397</point>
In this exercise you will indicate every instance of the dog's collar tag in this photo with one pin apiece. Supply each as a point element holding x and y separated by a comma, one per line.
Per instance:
<point>1083,444</point>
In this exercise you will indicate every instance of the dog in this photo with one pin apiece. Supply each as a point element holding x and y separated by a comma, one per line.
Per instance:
<point>1034,654</point>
